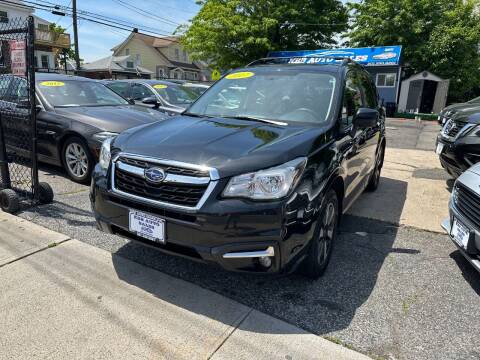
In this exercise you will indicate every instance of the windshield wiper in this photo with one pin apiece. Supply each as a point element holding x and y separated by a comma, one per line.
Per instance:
<point>253,118</point>
<point>186,113</point>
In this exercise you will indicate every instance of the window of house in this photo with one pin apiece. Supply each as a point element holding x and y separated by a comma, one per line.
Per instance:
<point>137,59</point>
<point>130,64</point>
<point>386,80</point>
<point>44,60</point>
<point>3,17</point>
<point>127,51</point>
<point>177,54</point>
<point>184,56</point>
<point>43,27</point>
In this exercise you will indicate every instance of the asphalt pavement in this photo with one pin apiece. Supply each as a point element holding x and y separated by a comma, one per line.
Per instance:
<point>391,291</point>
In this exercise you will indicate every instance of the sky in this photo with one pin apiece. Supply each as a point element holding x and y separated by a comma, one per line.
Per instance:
<point>96,40</point>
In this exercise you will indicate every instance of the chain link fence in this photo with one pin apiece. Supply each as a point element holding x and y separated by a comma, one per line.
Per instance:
<point>18,153</point>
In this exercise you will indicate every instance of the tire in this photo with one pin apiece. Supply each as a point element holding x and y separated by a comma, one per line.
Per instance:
<point>375,176</point>
<point>9,201</point>
<point>75,152</point>
<point>321,245</point>
<point>45,193</point>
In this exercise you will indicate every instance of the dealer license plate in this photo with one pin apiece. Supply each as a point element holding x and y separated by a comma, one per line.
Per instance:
<point>147,226</point>
<point>460,233</point>
<point>439,148</point>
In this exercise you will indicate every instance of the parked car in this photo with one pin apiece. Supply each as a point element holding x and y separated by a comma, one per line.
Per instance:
<point>463,224</point>
<point>458,144</point>
<point>75,115</point>
<point>165,96</point>
<point>448,112</point>
<point>257,184</point>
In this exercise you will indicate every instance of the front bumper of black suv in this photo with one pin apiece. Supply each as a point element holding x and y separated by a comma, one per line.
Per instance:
<point>239,235</point>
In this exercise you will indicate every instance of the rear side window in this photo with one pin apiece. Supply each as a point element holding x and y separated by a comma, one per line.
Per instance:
<point>121,88</point>
<point>369,91</point>
<point>352,98</point>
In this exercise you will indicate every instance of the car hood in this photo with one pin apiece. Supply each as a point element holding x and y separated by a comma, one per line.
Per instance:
<point>475,169</point>
<point>112,118</point>
<point>229,145</point>
<point>470,115</point>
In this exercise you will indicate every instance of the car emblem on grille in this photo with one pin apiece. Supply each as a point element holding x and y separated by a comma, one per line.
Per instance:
<point>154,175</point>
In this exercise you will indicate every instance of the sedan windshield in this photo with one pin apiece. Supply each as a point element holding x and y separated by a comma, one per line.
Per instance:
<point>176,94</point>
<point>74,93</point>
<point>271,94</point>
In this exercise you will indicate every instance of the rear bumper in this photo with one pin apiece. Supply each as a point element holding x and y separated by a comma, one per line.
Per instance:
<point>234,234</point>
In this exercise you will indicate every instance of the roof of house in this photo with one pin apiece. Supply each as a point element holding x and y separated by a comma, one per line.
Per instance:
<point>112,63</point>
<point>178,64</point>
<point>149,40</point>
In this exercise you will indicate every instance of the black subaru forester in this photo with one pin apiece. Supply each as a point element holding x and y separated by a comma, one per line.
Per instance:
<point>255,175</point>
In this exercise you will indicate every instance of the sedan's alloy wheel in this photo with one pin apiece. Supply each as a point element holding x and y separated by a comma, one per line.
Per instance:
<point>76,160</point>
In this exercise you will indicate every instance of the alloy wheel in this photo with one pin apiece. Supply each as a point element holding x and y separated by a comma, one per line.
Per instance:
<point>326,233</point>
<point>76,160</point>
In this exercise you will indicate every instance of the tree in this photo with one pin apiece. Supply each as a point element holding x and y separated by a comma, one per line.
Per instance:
<point>232,33</point>
<point>442,36</point>
<point>70,52</point>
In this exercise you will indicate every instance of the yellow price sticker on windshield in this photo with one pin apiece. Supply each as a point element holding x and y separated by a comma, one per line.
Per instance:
<point>240,75</point>
<point>160,86</point>
<point>52,83</point>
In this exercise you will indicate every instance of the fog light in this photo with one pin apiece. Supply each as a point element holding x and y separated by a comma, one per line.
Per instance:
<point>265,261</point>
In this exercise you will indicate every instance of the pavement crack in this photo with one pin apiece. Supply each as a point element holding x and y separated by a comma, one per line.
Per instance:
<point>230,334</point>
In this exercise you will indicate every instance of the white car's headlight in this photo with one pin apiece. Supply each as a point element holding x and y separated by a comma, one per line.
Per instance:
<point>105,154</point>
<point>269,184</point>
<point>104,135</point>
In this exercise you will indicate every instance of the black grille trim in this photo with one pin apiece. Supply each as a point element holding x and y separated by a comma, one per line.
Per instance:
<point>468,203</point>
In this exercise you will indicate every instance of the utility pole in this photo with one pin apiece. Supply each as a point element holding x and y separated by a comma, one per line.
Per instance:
<point>75,33</point>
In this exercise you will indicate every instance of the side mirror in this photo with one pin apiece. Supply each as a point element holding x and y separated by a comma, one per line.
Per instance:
<point>131,101</point>
<point>366,118</point>
<point>151,100</point>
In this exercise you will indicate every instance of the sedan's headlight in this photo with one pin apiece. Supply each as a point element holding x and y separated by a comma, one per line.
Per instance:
<point>104,135</point>
<point>273,183</point>
<point>105,154</point>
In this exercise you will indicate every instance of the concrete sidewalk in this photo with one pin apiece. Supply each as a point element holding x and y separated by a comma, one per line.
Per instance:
<point>64,299</point>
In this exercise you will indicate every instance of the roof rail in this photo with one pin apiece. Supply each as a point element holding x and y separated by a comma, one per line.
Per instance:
<point>286,59</point>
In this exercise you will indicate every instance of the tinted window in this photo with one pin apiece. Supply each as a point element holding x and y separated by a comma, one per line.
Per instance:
<point>176,94</point>
<point>140,92</point>
<point>121,88</point>
<point>369,91</point>
<point>352,97</point>
<point>286,94</point>
<point>71,93</point>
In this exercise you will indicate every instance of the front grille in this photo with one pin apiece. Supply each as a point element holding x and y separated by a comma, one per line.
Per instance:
<point>468,203</point>
<point>452,128</point>
<point>175,170</point>
<point>182,186</point>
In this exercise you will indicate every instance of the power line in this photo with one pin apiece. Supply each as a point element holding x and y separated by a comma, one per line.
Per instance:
<point>145,13</point>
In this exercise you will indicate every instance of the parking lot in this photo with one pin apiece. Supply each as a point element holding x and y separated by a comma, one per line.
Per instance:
<point>396,287</point>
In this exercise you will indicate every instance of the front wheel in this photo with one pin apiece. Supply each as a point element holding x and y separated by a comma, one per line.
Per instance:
<point>77,160</point>
<point>324,237</point>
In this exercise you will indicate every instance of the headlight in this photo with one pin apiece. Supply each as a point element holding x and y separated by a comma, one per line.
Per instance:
<point>104,135</point>
<point>105,155</point>
<point>273,183</point>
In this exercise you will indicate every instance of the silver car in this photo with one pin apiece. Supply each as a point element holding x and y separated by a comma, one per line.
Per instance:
<point>463,224</point>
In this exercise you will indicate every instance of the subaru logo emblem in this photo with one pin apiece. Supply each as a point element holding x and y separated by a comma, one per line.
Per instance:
<point>154,175</point>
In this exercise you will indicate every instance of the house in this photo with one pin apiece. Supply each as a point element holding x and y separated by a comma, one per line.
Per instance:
<point>163,56</point>
<point>114,67</point>
<point>48,45</point>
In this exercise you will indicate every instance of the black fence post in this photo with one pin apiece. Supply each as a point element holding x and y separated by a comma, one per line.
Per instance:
<point>30,56</point>
<point>4,172</point>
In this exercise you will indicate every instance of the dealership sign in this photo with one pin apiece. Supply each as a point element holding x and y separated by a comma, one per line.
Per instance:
<point>17,56</point>
<point>371,56</point>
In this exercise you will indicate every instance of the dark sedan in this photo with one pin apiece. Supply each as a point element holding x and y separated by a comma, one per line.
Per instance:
<point>166,96</point>
<point>75,115</point>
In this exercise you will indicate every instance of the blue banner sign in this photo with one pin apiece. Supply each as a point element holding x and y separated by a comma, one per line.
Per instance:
<point>372,56</point>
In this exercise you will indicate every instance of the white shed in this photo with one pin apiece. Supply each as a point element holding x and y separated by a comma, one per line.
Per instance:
<point>423,93</point>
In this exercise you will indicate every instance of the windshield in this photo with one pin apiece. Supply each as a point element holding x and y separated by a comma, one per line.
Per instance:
<point>74,93</point>
<point>270,94</point>
<point>175,94</point>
